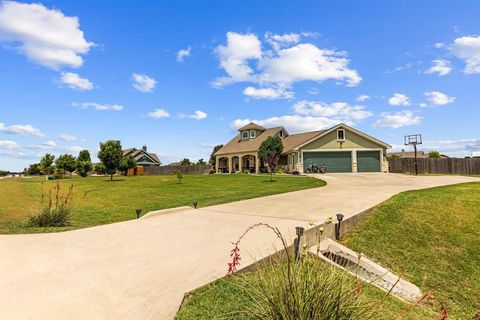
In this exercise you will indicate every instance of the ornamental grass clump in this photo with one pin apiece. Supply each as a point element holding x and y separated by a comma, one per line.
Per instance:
<point>56,208</point>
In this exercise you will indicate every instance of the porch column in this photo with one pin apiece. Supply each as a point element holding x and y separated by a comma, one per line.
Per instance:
<point>240,164</point>
<point>217,164</point>
<point>230,164</point>
<point>354,161</point>
<point>257,164</point>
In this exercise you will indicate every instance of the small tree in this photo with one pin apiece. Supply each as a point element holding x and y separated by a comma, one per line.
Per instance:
<point>270,151</point>
<point>84,163</point>
<point>65,163</point>
<point>434,154</point>
<point>99,169</point>
<point>201,162</point>
<point>111,155</point>
<point>179,175</point>
<point>32,170</point>
<point>127,163</point>
<point>186,162</point>
<point>46,164</point>
<point>212,156</point>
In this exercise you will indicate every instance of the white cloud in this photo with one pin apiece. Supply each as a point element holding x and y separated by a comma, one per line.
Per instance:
<point>183,53</point>
<point>268,93</point>
<point>399,99</point>
<point>8,144</point>
<point>67,137</point>
<point>46,36</point>
<point>98,106</point>
<point>453,148</point>
<point>440,66</point>
<point>198,115</point>
<point>158,114</point>
<point>363,97</point>
<point>143,83</point>
<point>21,129</point>
<point>339,111</point>
<point>293,123</point>
<point>439,45</point>
<point>397,120</point>
<point>50,143</point>
<point>439,98</point>
<point>244,61</point>
<point>75,148</point>
<point>468,49</point>
<point>74,81</point>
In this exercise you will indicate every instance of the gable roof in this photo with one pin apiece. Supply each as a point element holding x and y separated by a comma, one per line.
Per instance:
<point>252,126</point>
<point>137,154</point>
<point>294,140</point>
<point>237,145</point>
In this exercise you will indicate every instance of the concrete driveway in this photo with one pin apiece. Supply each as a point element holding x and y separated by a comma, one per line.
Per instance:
<point>140,269</point>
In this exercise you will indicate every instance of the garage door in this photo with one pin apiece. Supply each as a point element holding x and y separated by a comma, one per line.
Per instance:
<point>368,161</point>
<point>335,161</point>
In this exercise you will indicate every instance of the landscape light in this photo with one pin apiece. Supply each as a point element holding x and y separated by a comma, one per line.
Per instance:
<point>339,217</point>
<point>296,243</point>
<point>139,212</point>
<point>337,226</point>
<point>195,203</point>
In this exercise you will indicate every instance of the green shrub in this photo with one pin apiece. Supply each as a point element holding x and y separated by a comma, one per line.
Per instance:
<point>55,210</point>
<point>280,171</point>
<point>179,175</point>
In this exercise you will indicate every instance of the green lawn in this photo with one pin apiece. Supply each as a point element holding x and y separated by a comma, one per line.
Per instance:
<point>430,237</point>
<point>108,201</point>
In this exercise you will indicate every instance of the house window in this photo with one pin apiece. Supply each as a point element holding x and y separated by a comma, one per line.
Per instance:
<point>244,134</point>
<point>280,134</point>
<point>341,135</point>
<point>253,134</point>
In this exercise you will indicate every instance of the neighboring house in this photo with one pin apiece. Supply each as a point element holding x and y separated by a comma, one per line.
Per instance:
<point>409,154</point>
<point>341,149</point>
<point>143,158</point>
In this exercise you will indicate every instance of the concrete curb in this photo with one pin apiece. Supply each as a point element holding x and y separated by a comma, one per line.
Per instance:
<point>164,211</point>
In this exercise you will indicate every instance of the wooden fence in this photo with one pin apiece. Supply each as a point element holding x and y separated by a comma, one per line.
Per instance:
<point>167,170</point>
<point>434,165</point>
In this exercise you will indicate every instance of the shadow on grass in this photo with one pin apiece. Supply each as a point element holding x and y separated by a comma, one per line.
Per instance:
<point>114,180</point>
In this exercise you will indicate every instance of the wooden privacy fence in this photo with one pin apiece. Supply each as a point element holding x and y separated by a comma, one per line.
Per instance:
<point>435,165</point>
<point>167,170</point>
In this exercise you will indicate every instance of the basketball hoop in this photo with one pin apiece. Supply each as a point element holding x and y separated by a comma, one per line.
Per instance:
<point>413,140</point>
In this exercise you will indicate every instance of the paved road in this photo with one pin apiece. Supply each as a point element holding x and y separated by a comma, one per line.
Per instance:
<point>140,269</point>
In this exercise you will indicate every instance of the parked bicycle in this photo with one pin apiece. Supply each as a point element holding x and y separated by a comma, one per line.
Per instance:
<point>314,168</point>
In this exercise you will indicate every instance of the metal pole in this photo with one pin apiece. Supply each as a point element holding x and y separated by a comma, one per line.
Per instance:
<point>416,168</point>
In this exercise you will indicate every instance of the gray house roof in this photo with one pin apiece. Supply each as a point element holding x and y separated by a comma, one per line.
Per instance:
<point>138,154</point>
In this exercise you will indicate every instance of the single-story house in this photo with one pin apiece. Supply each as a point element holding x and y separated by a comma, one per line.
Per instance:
<point>340,148</point>
<point>143,158</point>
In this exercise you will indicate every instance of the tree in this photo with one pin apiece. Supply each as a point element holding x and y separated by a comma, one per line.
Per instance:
<point>111,155</point>
<point>99,169</point>
<point>179,175</point>
<point>201,162</point>
<point>270,151</point>
<point>46,164</point>
<point>32,169</point>
<point>84,163</point>
<point>186,162</point>
<point>212,156</point>
<point>65,162</point>
<point>434,154</point>
<point>127,163</point>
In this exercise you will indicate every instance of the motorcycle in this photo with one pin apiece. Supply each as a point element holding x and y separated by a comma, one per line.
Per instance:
<point>314,168</point>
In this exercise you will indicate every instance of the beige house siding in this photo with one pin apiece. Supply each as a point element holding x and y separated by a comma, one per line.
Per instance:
<point>352,141</point>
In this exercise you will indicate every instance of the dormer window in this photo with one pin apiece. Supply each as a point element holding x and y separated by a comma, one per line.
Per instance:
<point>341,135</point>
<point>280,134</point>
<point>253,134</point>
<point>244,134</point>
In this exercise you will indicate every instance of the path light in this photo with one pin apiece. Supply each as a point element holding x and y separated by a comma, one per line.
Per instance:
<point>195,203</point>
<point>139,212</point>
<point>296,243</point>
<point>337,226</point>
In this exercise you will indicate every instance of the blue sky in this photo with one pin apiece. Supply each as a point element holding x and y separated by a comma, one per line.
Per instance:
<point>181,76</point>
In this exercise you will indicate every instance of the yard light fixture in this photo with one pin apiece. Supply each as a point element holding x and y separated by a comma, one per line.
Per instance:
<point>195,203</point>
<point>337,226</point>
<point>296,243</point>
<point>139,212</point>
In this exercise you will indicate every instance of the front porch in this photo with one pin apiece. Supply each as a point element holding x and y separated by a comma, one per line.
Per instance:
<point>241,163</point>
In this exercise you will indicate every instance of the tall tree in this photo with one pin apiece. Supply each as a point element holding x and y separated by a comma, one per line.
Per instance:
<point>111,155</point>
<point>186,162</point>
<point>83,163</point>
<point>212,156</point>
<point>201,162</point>
<point>65,163</point>
<point>46,164</point>
<point>270,151</point>
<point>32,170</point>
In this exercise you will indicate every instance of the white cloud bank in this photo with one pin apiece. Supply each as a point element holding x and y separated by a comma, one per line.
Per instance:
<point>159,113</point>
<point>441,67</point>
<point>268,93</point>
<point>439,98</point>
<point>21,130</point>
<point>8,144</point>
<point>311,116</point>
<point>397,120</point>
<point>183,53</point>
<point>467,48</point>
<point>288,61</point>
<point>45,36</point>
<point>399,99</point>
<point>74,81</point>
<point>143,83</point>
<point>97,106</point>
